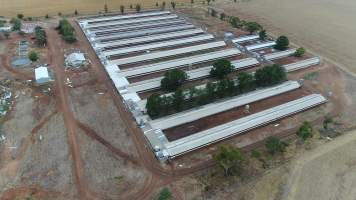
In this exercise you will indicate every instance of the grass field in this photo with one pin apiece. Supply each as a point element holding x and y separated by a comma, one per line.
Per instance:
<point>324,26</point>
<point>34,8</point>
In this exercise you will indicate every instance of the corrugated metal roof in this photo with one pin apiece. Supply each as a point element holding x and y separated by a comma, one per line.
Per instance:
<point>214,108</point>
<point>168,53</point>
<point>176,63</point>
<point>241,125</point>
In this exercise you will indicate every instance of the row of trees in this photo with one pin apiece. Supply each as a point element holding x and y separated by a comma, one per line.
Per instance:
<point>40,34</point>
<point>67,31</point>
<point>162,105</point>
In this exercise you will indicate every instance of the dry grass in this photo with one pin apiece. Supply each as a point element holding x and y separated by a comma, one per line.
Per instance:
<point>35,8</point>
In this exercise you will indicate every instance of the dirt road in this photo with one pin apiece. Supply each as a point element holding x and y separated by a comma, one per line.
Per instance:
<point>323,26</point>
<point>63,105</point>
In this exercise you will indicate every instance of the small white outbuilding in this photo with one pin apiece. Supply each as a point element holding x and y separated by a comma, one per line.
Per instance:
<point>75,60</point>
<point>42,75</point>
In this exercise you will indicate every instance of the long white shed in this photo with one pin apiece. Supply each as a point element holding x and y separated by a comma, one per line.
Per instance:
<point>239,126</point>
<point>153,46</point>
<point>141,26</point>
<point>245,38</point>
<point>259,46</point>
<point>192,75</point>
<point>302,64</point>
<point>145,32</point>
<point>132,21</point>
<point>217,107</point>
<point>124,17</point>
<point>180,62</point>
<point>168,53</point>
<point>279,54</point>
<point>151,38</point>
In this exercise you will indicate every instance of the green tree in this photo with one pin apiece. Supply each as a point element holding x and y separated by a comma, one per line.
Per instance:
<point>17,25</point>
<point>47,16</point>
<point>235,22</point>
<point>157,4</point>
<point>230,159</point>
<point>173,4</point>
<point>40,34</point>
<point>76,12</point>
<point>178,100</point>
<point>173,79</point>
<point>20,16</point>
<point>225,87</point>
<point>153,105</point>
<point>106,9</point>
<point>305,131</point>
<point>163,5</point>
<point>221,68</point>
<point>262,34</point>
<point>222,16</point>
<point>33,56</point>
<point>210,90</point>
<point>275,145</point>
<point>164,194</point>
<point>122,9</point>
<point>299,52</point>
<point>270,75</point>
<point>67,31</point>
<point>246,82</point>
<point>208,1</point>
<point>282,43</point>
<point>252,27</point>
<point>138,7</point>
<point>192,1</point>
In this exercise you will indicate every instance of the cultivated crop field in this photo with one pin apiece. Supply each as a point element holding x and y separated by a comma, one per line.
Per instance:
<point>35,8</point>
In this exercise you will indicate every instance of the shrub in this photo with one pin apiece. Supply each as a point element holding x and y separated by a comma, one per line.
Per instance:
<point>17,25</point>
<point>235,22</point>
<point>153,105</point>
<point>299,52</point>
<point>230,159</point>
<point>164,194</point>
<point>262,34</point>
<point>270,75</point>
<point>221,68</point>
<point>138,7</point>
<point>173,79</point>
<point>40,34</point>
<point>20,16</point>
<point>305,131</point>
<point>122,9</point>
<point>67,31</point>
<point>275,145</point>
<point>76,12</point>
<point>222,16</point>
<point>246,82</point>
<point>33,56</point>
<point>252,27</point>
<point>173,4</point>
<point>282,43</point>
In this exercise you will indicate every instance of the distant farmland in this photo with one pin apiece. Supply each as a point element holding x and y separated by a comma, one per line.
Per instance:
<point>35,8</point>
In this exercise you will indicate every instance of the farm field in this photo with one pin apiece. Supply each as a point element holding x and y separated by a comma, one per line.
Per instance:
<point>322,26</point>
<point>37,8</point>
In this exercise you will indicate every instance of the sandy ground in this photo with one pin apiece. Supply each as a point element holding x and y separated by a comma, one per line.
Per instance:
<point>42,7</point>
<point>323,26</point>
